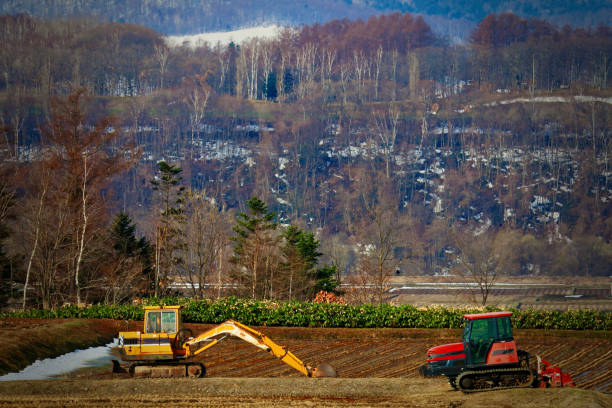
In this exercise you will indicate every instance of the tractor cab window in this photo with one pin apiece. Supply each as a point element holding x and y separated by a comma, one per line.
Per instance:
<point>483,330</point>
<point>467,330</point>
<point>504,327</point>
<point>168,322</point>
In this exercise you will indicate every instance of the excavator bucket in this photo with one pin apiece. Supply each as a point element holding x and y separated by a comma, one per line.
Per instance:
<point>324,370</point>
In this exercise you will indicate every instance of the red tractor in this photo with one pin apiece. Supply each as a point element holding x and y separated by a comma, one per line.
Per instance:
<point>487,359</point>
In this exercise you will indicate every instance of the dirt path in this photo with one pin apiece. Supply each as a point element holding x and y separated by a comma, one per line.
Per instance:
<point>277,392</point>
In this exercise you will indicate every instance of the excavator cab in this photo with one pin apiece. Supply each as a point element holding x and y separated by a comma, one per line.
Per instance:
<point>158,341</point>
<point>162,321</point>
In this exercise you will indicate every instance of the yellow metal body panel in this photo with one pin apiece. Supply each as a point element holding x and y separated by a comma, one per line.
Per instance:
<point>158,339</point>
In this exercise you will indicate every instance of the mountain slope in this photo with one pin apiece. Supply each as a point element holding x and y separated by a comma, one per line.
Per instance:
<point>453,17</point>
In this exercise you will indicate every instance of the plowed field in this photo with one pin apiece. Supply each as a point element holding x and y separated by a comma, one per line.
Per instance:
<point>377,367</point>
<point>398,353</point>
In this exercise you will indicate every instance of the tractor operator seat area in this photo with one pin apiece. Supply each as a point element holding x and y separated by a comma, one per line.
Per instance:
<point>480,334</point>
<point>161,322</point>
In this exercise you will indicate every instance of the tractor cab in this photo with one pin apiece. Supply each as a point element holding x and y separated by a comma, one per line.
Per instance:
<point>487,339</point>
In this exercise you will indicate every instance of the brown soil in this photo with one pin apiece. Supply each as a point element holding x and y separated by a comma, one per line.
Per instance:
<point>277,392</point>
<point>26,340</point>
<point>376,366</point>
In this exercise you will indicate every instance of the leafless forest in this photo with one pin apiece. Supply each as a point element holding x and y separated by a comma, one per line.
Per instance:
<point>343,152</point>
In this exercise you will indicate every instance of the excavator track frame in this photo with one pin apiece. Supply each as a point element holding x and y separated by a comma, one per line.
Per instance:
<point>167,369</point>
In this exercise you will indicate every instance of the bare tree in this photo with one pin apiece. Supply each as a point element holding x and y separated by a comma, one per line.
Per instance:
<point>386,123</point>
<point>162,52</point>
<point>83,161</point>
<point>206,232</point>
<point>378,62</point>
<point>481,260</point>
<point>44,179</point>
<point>197,101</point>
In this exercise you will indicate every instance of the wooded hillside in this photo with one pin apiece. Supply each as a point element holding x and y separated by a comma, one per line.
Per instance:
<point>402,153</point>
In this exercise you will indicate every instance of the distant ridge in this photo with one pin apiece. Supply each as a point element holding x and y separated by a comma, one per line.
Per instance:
<point>454,18</point>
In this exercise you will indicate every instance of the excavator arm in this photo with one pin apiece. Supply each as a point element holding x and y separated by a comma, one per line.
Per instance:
<point>210,338</point>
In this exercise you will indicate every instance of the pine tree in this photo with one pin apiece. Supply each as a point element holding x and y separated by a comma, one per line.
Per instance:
<point>301,257</point>
<point>256,258</point>
<point>270,90</point>
<point>169,235</point>
<point>129,267</point>
<point>287,81</point>
<point>123,235</point>
<point>230,84</point>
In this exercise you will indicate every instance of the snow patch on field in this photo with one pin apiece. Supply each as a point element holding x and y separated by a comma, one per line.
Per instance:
<point>52,367</point>
<point>225,37</point>
<point>551,99</point>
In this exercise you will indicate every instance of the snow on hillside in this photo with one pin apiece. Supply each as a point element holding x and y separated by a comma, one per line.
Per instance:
<point>224,38</point>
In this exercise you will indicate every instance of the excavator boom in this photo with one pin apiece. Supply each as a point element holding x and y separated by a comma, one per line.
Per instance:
<point>194,346</point>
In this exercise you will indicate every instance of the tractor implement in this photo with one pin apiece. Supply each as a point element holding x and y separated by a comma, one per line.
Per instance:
<point>487,359</point>
<point>166,349</point>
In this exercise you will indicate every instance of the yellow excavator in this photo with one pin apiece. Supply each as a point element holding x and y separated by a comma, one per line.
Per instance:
<point>165,348</point>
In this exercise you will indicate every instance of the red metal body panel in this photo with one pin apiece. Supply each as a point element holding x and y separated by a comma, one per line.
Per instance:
<point>502,353</point>
<point>446,352</point>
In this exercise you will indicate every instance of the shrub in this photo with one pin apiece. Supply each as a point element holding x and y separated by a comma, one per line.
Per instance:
<point>312,314</point>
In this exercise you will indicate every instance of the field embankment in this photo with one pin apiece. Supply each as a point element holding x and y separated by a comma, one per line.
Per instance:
<point>27,340</point>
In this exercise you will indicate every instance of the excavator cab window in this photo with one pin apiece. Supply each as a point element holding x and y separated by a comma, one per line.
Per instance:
<point>153,322</point>
<point>161,321</point>
<point>168,322</point>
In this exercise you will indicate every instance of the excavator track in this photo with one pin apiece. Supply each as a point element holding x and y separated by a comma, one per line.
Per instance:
<point>167,370</point>
<point>493,380</point>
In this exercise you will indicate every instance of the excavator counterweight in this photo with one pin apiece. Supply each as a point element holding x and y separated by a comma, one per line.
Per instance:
<point>166,349</point>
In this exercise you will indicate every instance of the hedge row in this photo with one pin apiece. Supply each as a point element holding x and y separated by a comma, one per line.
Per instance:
<point>304,314</point>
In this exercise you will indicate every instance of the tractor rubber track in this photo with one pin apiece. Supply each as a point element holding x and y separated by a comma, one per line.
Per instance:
<point>485,373</point>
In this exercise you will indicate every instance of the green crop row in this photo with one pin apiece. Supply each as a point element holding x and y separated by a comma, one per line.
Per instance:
<point>305,314</point>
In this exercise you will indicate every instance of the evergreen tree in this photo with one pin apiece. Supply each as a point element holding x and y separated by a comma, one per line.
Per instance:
<point>270,90</point>
<point>123,235</point>
<point>326,279</point>
<point>301,256</point>
<point>255,251</point>
<point>129,269</point>
<point>287,81</point>
<point>169,235</point>
<point>230,80</point>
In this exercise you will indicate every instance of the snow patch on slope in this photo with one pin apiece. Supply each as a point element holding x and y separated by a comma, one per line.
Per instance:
<point>225,37</point>
<point>51,367</point>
